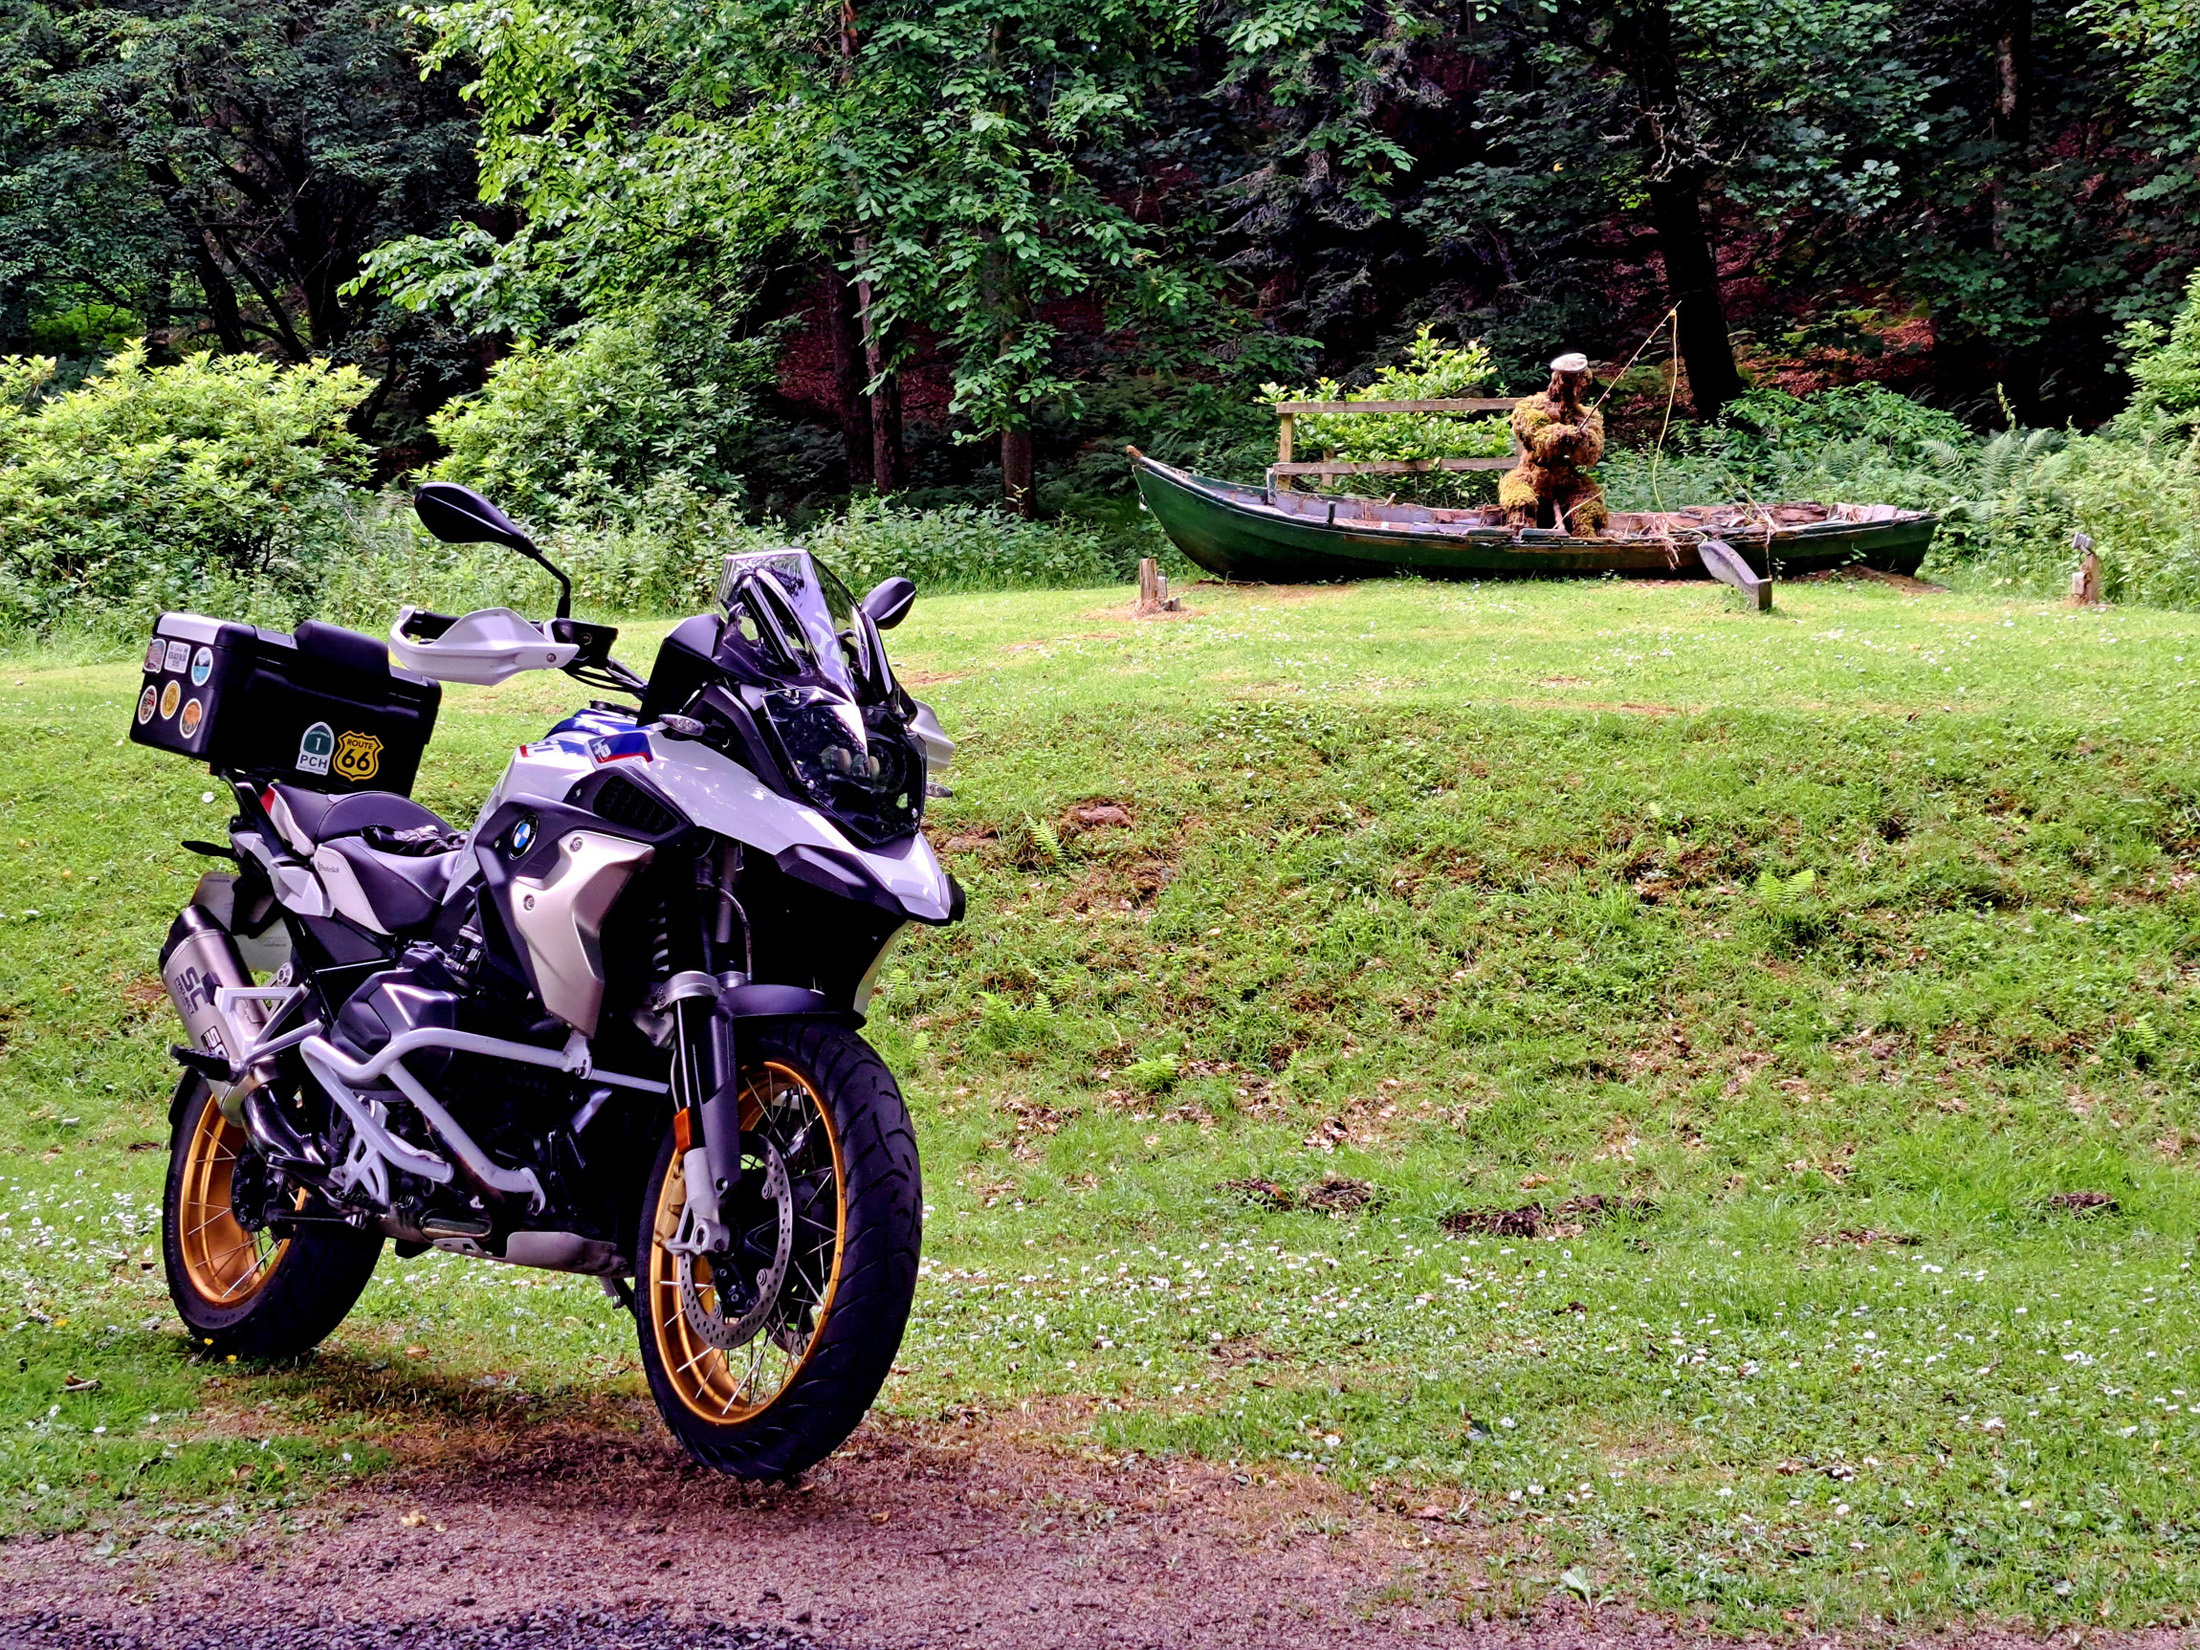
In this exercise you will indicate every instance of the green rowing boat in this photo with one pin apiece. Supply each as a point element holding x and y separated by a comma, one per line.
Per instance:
<point>1275,535</point>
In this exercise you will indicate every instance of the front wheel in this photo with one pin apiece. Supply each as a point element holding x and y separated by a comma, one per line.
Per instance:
<point>763,1357</point>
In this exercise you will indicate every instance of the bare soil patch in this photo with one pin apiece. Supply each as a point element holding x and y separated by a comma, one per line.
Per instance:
<point>1872,575</point>
<point>975,1531</point>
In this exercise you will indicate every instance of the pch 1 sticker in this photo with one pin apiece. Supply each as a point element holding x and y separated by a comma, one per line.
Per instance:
<point>179,657</point>
<point>193,714</point>
<point>202,666</point>
<point>146,702</point>
<point>315,748</point>
<point>170,697</point>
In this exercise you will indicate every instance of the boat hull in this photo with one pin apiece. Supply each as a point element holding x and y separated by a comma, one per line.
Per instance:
<point>1243,533</point>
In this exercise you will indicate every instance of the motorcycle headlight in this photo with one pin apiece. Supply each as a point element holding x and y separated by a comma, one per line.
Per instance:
<point>855,763</point>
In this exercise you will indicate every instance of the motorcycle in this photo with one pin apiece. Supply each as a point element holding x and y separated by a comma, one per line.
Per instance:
<point>610,1029</point>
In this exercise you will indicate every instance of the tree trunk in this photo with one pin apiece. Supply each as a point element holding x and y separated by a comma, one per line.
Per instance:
<point>15,318</point>
<point>889,465</point>
<point>159,313</point>
<point>2011,122</point>
<point>1692,283</point>
<point>1641,44</point>
<point>2017,371</point>
<point>848,375</point>
<point>1016,472</point>
<point>2013,71</point>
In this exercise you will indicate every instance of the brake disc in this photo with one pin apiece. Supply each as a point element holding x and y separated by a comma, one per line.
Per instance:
<point>710,1326</point>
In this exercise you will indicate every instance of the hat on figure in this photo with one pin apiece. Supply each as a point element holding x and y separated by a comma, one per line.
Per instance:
<point>1574,362</point>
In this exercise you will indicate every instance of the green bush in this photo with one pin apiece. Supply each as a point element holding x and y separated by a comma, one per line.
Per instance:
<point>584,432</point>
<point>2166,368</point>
<point>665,557</point>
<point>967,547</point>
<point>218,482</point>
<point>2136,495</point>
<point>1764,426</point>
<point>662,558</point>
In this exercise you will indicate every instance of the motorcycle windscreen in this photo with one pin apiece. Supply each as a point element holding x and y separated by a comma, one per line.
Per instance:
<point>796,621</point>
<point>830,710</point>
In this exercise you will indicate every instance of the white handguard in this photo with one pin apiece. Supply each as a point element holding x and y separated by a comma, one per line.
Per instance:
<point>939,750</point>
<point>484,648</point>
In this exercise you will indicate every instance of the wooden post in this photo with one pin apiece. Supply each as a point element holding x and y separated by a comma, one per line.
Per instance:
<point>2085,583</point>
<point>1283,446</point>
<point>1153,592</point>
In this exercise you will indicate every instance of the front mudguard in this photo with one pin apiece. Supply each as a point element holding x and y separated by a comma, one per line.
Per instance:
<point>759,1001</point>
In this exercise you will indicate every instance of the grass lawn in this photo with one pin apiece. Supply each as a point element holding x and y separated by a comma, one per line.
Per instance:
<point>1796,968</point>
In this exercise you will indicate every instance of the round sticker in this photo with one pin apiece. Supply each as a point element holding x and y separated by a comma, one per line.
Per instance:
<point>154,652</point>
<point>192,714</point>
<point>146,701</point>
<point>202,666</point>
<point>169,696</point>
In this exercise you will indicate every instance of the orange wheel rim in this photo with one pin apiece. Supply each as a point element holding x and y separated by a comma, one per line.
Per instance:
<point>727,1387</point>
<point>224,1264</point>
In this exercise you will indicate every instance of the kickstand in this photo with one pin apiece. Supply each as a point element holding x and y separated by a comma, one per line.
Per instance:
<point>619,1290</point>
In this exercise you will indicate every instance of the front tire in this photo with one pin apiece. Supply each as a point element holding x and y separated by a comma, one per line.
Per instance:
<point>239,1289</point>
<point>824,1128</point>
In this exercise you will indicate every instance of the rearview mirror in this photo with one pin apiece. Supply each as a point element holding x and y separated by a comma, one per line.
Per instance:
<point>890,602</point>
<point>459,515</point>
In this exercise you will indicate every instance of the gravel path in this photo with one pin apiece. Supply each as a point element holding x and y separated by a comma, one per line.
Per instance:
<point>543,1630</point>
<point>974,1535</point>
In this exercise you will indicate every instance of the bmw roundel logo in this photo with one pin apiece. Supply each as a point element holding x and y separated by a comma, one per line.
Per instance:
<point>523,836</point>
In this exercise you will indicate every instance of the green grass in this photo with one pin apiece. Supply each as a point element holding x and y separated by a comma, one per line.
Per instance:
<point>1874,916</point>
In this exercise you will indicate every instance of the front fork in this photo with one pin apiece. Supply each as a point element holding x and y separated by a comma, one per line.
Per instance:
<point>706,1091</point>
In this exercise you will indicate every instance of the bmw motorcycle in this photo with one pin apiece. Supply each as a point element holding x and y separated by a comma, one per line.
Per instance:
<point>612,1028</point>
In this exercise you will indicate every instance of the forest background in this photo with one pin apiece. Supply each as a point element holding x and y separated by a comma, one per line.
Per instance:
<point>903,278</point>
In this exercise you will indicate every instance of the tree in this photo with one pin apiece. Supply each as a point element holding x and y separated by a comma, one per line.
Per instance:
<point>1788,111</point>
<point>936,156</point>
<point>226,164</point>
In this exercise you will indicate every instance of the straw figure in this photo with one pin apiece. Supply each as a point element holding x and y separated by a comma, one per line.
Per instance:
<point>1559,438</point>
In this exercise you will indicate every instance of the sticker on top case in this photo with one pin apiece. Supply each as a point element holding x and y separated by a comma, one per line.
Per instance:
<point>315,747</point>
<point>202,666</point>
<point>179,657</point>
<point>155,651</point>
<point>170,697</point>
<point>358,756</point>
<point>193,714</point>
<point>146,701</point>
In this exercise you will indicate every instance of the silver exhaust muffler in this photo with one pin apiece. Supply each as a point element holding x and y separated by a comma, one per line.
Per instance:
<point>199,959</point>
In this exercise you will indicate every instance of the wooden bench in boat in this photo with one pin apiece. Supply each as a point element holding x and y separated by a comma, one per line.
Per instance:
<point>1281,472</point>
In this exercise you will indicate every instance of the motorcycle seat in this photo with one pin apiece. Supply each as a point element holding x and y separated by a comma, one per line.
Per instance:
<point>307,819</point>
<point>389,893</point>
<point>350,840</point>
